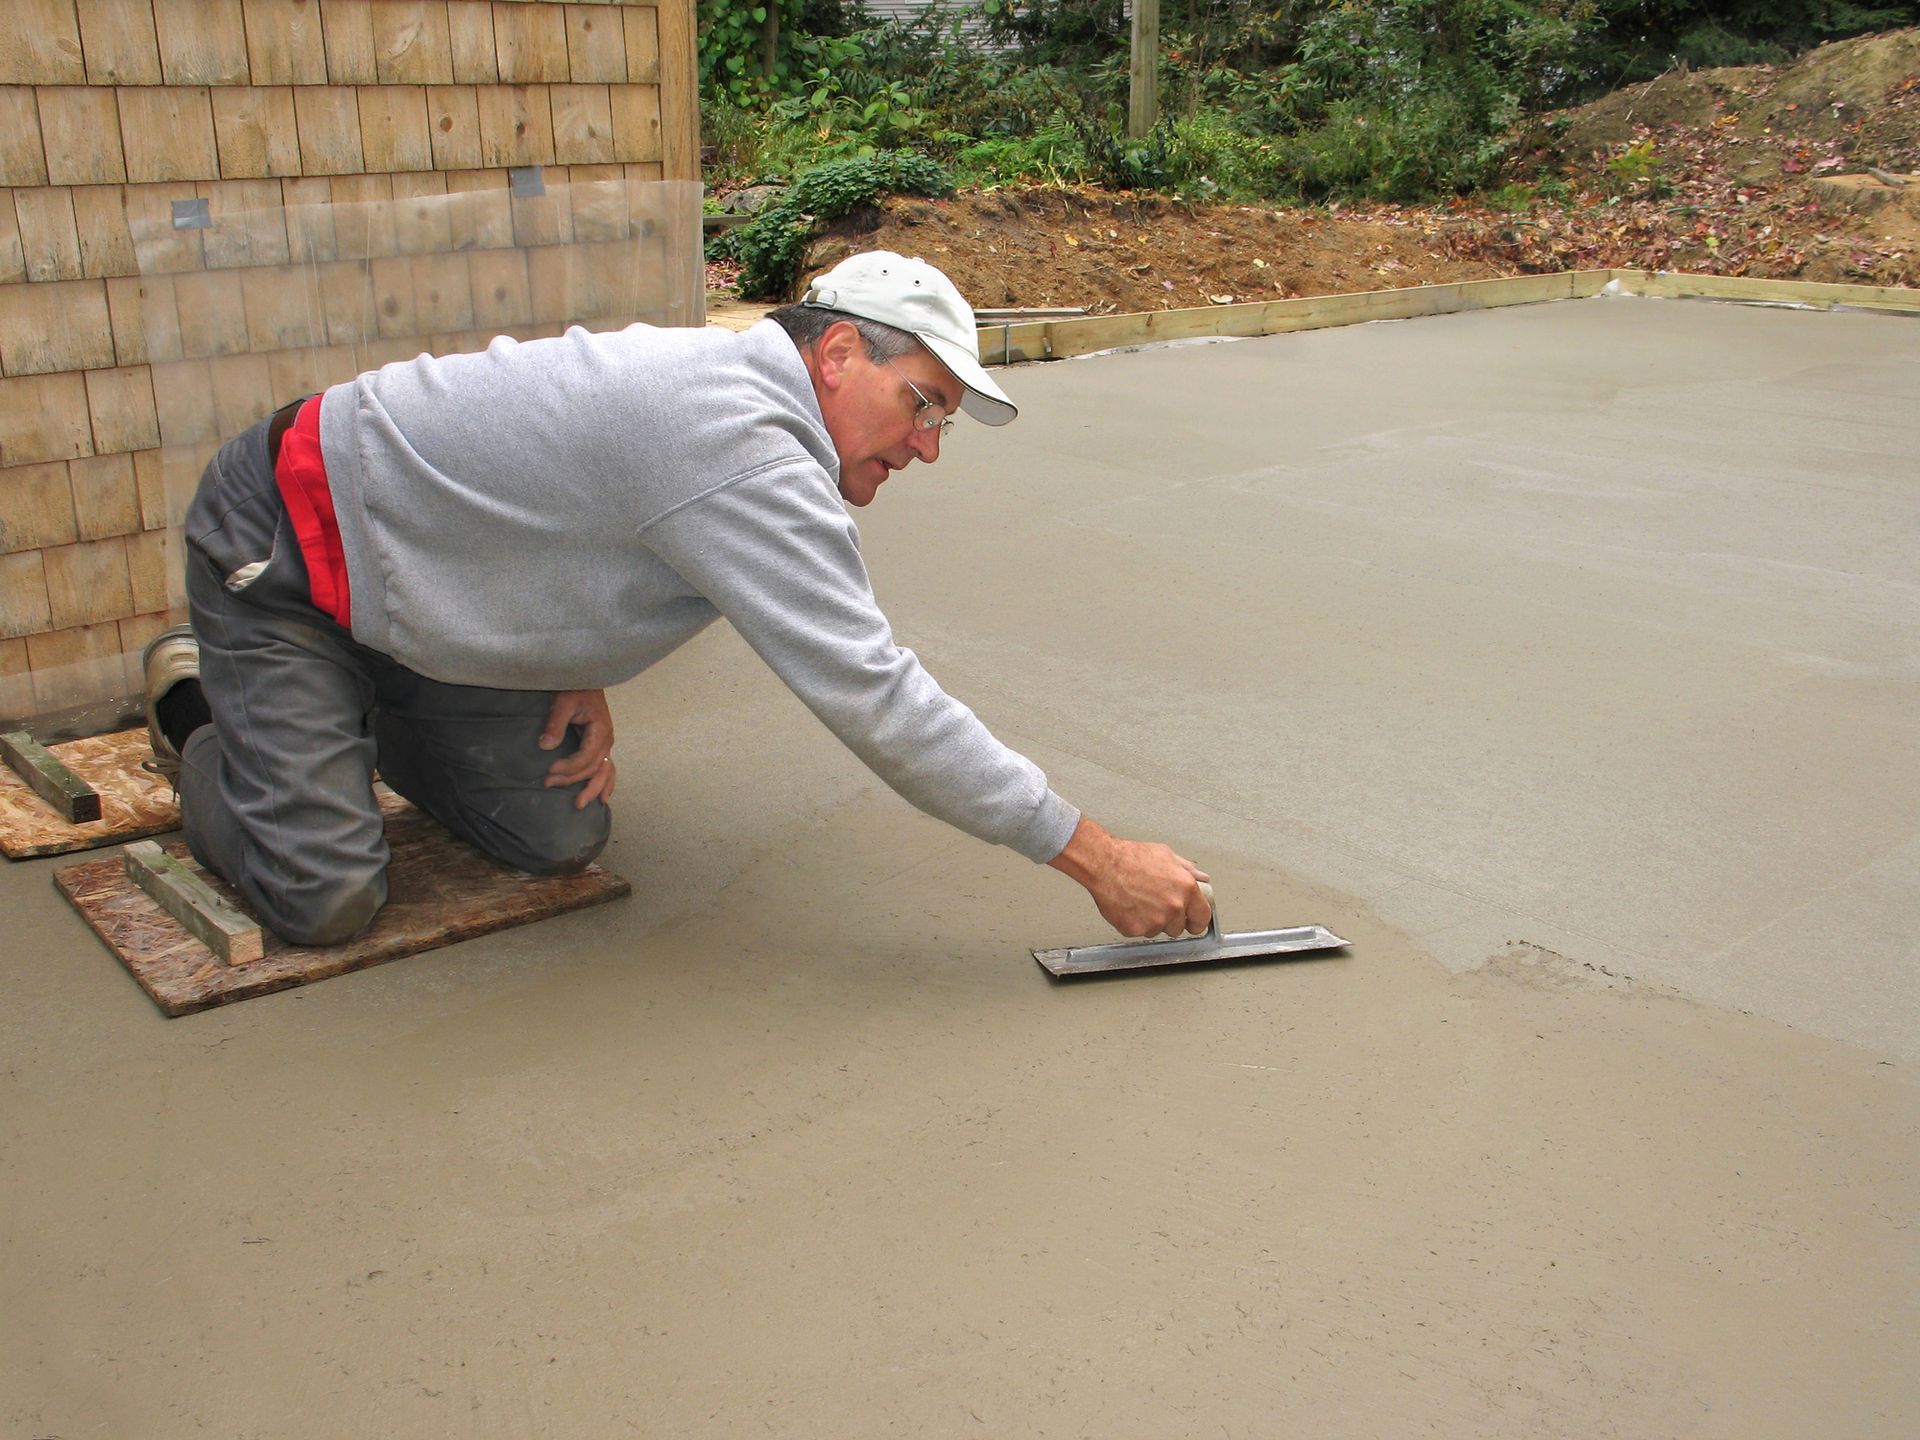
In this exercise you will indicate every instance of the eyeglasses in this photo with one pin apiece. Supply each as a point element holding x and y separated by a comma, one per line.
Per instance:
<point>930,415</point>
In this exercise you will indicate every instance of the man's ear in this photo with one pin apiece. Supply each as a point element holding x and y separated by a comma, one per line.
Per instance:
<point>836,351</point>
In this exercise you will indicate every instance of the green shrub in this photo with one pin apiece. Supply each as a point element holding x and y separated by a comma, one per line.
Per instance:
<point>770,246</point>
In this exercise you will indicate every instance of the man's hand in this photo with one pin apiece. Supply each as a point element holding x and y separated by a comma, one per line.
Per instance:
<point>593,761</point>
<point>1140,888</point>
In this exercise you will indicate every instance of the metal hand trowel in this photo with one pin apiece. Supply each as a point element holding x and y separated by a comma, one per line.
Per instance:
<point>1188,950</point>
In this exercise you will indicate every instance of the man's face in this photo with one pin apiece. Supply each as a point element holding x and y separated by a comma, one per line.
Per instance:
<point>870,407</point>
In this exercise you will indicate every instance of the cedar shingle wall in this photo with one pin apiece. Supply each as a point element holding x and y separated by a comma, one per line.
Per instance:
<point>353,159</point>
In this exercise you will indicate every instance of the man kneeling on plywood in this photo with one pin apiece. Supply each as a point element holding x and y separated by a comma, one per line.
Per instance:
<point>436,568</point>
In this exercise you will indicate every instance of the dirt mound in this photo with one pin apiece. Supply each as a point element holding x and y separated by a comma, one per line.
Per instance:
<point>1789,172</point>
<point>1106,252</point>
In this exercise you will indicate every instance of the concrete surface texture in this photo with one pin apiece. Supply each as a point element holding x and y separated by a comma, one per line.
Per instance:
<point>1564,659</point>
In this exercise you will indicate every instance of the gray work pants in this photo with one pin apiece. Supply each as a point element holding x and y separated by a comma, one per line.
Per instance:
<point>276,794</point>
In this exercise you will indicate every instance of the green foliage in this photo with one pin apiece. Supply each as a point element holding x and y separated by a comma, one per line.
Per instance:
<point>770,246</point>
<point>1302,99</point>
<point>1635,40</point>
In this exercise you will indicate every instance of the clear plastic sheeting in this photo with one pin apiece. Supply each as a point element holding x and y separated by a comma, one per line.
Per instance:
<point>244,309</point>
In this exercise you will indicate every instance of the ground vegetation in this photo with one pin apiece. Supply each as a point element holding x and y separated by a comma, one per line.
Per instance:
<point>1425,138</point>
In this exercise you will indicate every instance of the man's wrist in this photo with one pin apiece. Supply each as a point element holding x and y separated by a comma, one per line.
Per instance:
<point>1088,852</point>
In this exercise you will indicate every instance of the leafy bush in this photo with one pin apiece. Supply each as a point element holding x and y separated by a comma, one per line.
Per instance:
<point>770,246</point>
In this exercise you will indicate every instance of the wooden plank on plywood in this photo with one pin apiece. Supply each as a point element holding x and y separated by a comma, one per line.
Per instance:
<point>440,892</point>
<point>202,42</point>
<point>411,45</point>
<point>119,41</point>
<point>285,42</point>
<point>40,44</point>
<point>133,802</point>
<point>73,798</point>
<point>183,894</point>
<point>255,131</point>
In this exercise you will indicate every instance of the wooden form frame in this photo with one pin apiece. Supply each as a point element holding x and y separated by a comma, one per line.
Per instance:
<point>1061,339</point>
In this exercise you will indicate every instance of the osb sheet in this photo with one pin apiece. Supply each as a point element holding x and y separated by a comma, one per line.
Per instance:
<point>440,890</point>
<point>133,802</point>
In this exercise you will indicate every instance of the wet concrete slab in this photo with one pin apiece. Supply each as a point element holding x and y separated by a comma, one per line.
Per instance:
<point>1562,658</point>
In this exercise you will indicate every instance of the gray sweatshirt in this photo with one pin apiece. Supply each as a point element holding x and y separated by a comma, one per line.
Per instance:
<point>560,514</point>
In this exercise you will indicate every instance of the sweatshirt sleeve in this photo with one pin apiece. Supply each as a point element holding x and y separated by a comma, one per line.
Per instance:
<point>777,556</point>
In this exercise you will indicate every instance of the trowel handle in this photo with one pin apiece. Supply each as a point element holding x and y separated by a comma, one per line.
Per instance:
<point>1213,921</point>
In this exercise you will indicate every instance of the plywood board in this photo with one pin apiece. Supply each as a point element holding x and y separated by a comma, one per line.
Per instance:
<point>133,802</point>
<point>440,892</point>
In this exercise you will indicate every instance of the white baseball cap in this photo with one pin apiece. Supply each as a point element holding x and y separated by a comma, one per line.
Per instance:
<point>911,295</point>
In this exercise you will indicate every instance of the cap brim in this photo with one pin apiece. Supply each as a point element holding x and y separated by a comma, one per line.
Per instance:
<point>983,400</point>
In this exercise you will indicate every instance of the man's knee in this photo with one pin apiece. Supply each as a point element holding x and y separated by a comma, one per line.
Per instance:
<point>561,839</point>
<point>325,912</point>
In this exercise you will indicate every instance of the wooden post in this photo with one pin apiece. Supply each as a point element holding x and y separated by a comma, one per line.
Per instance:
<point>194,903</point>
<point>74,798</point>
<point>1143,90</point>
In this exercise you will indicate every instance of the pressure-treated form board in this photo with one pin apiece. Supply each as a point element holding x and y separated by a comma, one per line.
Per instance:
<point>440,891</point>
<point>1058,339</point>
<point>1666,283</point>
<point>64,792</point>
<point>177,888</point>
<point>133,802</point>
